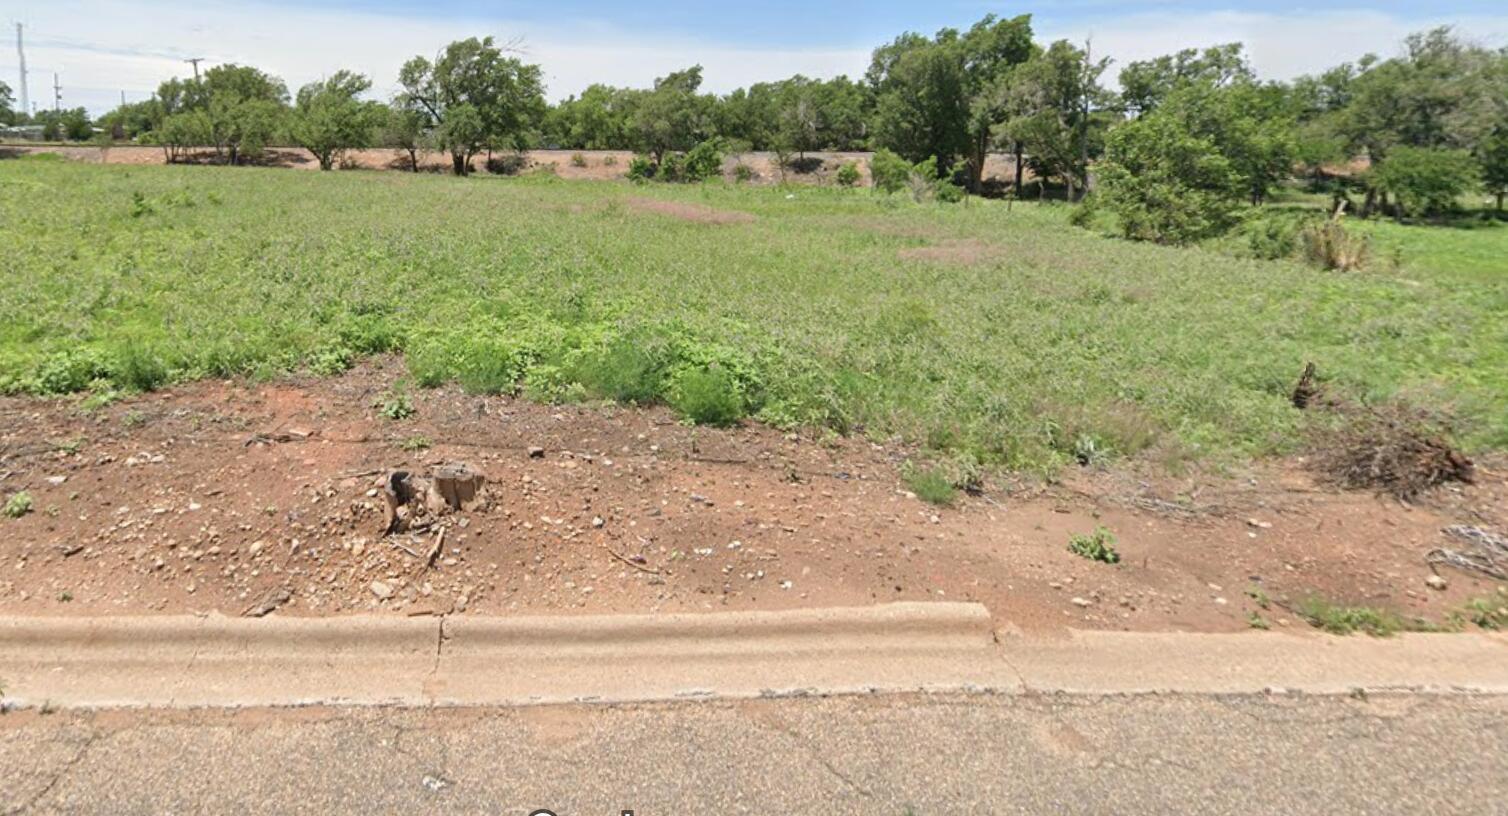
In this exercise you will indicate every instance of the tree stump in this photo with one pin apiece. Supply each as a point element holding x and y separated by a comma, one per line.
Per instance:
<point>456,485</point>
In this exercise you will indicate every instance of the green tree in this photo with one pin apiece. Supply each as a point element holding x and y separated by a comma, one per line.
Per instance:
<point>1493,157</point>
<point>7,115</point>
<point>406,129</point>
<point>245,106</point>
<point>1045,109</point>
<point>1167,184</point>
<point>496,99</point>
<point>1145,84</point>
<point>921,102</point>
<point>1425,181</point>
<point>329,117</point>
<point>596,120</point>
<point>673,117</point>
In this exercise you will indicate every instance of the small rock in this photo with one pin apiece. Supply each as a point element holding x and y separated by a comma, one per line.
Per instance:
<point>1436,582</point>
<point>597,521</point>
<point>381,589</point>
<point>1262,525</point>
<point>1082,602</point>
<point>536,452</point>
<point>56,480</point>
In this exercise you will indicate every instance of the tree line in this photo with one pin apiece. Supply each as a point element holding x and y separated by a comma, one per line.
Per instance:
<point>1177,151</point>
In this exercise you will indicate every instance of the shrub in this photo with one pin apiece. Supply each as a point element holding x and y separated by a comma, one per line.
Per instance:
<point>948,192</point>
<point>578,160</point>
<point>890,172</point>
<point>18,505</point>
<point>507,164</point>
<point>138,369</point>
<point>930,485</point>
<point>1097,546</point>
<point>704,161</point>
<point>848,174</point>
<point>641,169</point>
<point>1348,620</point>
<point>1329,246</point>
<point>1425,181</point>
<point>707,396</point>
<point>625,372</point>
<point>396,405</point>
<point>610,161</point>
<point>1166,184</point>
<point>743,172</point>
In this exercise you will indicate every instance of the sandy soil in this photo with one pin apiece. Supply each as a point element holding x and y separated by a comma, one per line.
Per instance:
<point>601,165</point>
<point>221,496</point>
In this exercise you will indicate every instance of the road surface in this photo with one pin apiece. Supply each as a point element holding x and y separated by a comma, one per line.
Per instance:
<point>898,754</point>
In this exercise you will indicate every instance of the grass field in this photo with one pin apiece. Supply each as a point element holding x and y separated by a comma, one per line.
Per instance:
<point>1002,336</point>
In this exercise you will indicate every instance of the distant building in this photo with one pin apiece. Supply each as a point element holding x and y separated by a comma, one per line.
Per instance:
<point>32,133</point>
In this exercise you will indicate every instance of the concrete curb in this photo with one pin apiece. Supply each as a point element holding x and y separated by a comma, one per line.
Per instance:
<point>179,662</point>
<point>186,662</point>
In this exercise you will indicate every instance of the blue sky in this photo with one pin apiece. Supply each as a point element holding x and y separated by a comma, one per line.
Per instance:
<point>102,49</point>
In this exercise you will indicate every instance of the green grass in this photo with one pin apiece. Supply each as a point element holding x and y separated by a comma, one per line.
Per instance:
<point>930,485</point>
<point>1338,619</point>
<point>1051,342</point>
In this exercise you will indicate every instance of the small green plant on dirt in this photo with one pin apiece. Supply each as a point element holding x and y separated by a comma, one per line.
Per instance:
<point>395,405</point>
<point>610,161</point>
<point>69,446</point>
<point>1256,621</point>
<point>743,172</point>
<point>707,397</point>
<point>1097,546</point>
<point>18,505</point>
<point>1259,597</point>
<point>1338,619</point>
<point>578,160</point>
<point>848,174</point>
<point>65,597</point>
<point>415,443</point>
<point>930,485</point>
<point>1488,613</point>
<point>133,419</point>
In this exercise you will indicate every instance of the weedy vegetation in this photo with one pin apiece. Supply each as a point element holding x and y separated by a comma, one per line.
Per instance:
<point>998,334</point>
<point>1097,546</point>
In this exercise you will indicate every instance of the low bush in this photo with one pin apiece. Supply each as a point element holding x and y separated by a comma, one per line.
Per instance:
<point>578,160</point>
<point>641,169</point>
<point>1097,546</point>
<point>18,505</point>
<point>1328,245</point>
<point>707,396</point>
<point>743,172</point>
<point>890,172</point>
<point>848,174</point>
<point>930,485</point>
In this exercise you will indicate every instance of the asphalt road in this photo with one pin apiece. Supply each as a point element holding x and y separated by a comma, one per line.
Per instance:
<point>1055,754</point>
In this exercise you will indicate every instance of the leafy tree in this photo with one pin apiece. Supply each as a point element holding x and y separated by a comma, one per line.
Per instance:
<point>1493,157</point>
<point>921,97</point>
<point>597,120</point>
<point>245,107</point>
<point>406,129</point>
<point>329,118</point>
<point>494,99</point>
<point>71,125</point>
<point>180,132</point>
<point>1144,85</point>
<point>671,118</point>
<point>1045,106</point>
<point>1166,183</point>
<point>7,116</point>
<point>1425,181</point>
<point>990,50</point>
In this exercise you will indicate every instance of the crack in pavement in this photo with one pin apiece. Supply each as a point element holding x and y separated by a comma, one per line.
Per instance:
<point>78,756</point>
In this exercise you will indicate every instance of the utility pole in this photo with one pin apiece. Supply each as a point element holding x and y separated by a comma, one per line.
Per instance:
<point>195,62</point>
<point>21,54</point>
<point>57,95</point>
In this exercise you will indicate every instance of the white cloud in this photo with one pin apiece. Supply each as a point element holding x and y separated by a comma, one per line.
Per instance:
<point>103,47</point>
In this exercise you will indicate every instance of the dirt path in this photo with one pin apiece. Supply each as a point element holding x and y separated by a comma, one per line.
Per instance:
<point>221,496</point>
<point>598,165</point>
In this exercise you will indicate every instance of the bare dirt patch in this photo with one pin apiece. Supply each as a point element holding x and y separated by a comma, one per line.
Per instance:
<point>230,496</point>
<point>686,211</point>
<point>967,252</point>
